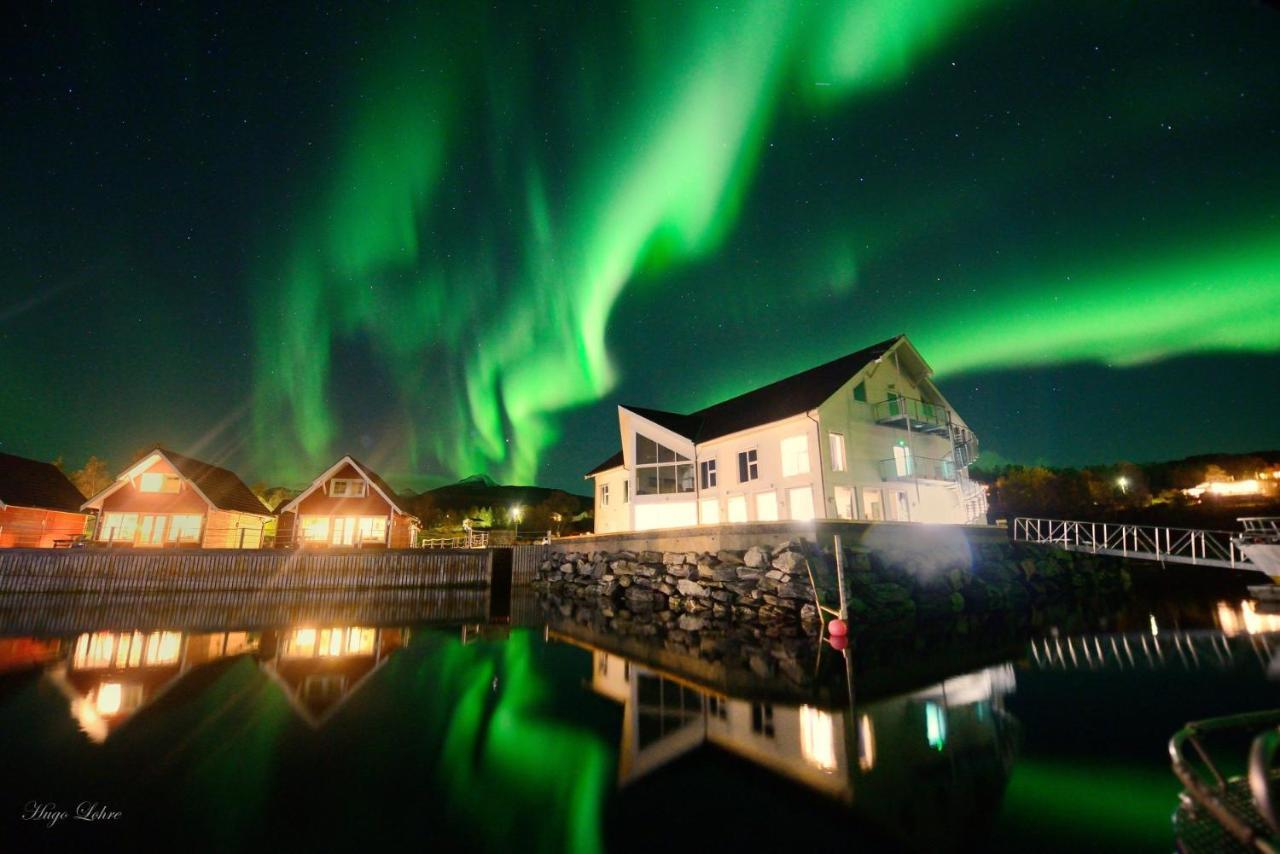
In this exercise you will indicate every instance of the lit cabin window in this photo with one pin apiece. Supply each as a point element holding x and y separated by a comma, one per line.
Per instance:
<point>795,455</point>
<point>373,529</point>
<point>660,470</point>
<point>315,529</point>
<point>118,527</point>
<point>184,529</point>
<point>837,451</point>
<point>342,487</point>
<point>818,738</point>
<point>155,481</point>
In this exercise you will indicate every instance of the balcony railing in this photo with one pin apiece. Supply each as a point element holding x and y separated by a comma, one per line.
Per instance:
<point>910,412</point>
<point>917,468</point>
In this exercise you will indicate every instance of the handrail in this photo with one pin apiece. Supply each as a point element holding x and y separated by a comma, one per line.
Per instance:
<point>1144,542</point>
<point>913,467</point>
<point>911,407</point>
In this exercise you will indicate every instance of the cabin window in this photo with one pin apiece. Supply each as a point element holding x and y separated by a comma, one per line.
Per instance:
<point>748,465</point>
<point>762,719</point>
<point>626,491</point>
<point>373,529</point>
<point>860,392</point>
<point>838,462</point>
<point>343,487</point>
<point>118,527</point>
<point>844,502</point>
<point>767,506</point>
<point>184,529</point>
<point>156,481</point>
<point>604,495</point>
<point>795,455</point>
<point>800,502</point>
<point>708,473</point>
<point>315,529</point>
<point>660,470</point>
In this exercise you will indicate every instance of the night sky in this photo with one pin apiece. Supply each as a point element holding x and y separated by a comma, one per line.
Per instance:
<point>451,240</point>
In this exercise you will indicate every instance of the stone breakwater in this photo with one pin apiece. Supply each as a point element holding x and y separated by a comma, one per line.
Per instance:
<point>749,615</point>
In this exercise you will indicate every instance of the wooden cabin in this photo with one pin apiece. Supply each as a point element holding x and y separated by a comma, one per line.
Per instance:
<point>39,507</point>
<point>168,499</point>
<point>349,505</point>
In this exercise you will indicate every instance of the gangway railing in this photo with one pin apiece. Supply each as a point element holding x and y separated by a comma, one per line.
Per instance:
<point>1140,542</point>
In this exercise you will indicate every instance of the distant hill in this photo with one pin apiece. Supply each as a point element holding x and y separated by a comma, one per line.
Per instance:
<point>446,506</point>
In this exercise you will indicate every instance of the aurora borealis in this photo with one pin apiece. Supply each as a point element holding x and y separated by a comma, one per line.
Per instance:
<point>449,240</point>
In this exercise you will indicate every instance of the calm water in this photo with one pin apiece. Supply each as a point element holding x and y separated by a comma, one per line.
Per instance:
<point>339,729</point>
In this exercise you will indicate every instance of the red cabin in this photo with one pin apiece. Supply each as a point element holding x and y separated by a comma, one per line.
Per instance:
<point>348,505</point>
<point>39,507</point>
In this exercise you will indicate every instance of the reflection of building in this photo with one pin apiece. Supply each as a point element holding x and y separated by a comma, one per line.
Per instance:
<point>39,507</point>
<point>109,676</point>
<point>348,505</point>
<point>321,668</point>
<point>951,742</point>
<point>167,499</point>
<point>867,436</point>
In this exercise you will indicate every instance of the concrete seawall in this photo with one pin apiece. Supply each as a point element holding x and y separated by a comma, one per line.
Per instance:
<point>211,570</point>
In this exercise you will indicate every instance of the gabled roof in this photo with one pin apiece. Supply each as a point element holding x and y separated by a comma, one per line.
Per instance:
<point>31,483</point>
<point>381,486</point>
<point>784,398</point>
<point>221,488</point>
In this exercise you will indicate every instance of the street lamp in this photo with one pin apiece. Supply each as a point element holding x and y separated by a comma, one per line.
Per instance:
<point>516,513</point>
<point>1123,483</point>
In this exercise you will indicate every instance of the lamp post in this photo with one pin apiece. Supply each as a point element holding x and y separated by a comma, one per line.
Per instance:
<point>1123,483</point>
<point>516,512</point>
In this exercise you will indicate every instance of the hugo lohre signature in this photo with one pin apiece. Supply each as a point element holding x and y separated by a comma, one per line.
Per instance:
<point>51,814</point>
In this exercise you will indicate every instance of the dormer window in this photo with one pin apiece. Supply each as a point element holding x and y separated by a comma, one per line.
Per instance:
<point>156,481</point>
<point>343,487</point>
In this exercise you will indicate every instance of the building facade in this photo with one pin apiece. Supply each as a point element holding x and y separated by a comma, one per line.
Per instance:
<point>39,507</point>
<point>349,505</point>
<point>167,499</point>
<point>865,437</point>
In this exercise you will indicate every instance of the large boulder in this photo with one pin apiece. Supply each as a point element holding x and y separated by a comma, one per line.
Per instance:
<point>687,587</point>
<point>789,562</point>
<point>756,557</point>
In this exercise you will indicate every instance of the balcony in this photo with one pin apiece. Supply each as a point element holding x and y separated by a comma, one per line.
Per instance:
<point>909,413</point>
<point>918,468</point>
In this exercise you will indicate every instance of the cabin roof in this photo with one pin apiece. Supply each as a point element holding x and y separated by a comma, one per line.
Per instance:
<point>373,477</point>
<point>222,487</point>
<point>31,483</point>
<point>778,400</point>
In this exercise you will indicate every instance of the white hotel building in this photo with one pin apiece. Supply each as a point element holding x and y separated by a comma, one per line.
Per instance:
<point>867,437</point>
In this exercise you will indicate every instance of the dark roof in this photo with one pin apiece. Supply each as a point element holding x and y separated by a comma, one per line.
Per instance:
<point>611,463</point>
<point>395,498</point>
<point>782,399</point>
<point>31,483</point>
<point>220,486</point>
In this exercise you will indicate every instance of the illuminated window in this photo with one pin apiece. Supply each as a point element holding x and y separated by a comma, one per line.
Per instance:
<point>118,527</point>
<point>737,508</point>
<point>163,647</point>
<point>353,487</point>
<point>795,455</point>
<point>767,507</point>
<point>708,474</point>
<point>818,738</point>
<point>844,502</point>
<point>184,529</point>
<point>604,495</point>
<point>902,462</point>
<point>800,501</point>
<point>838,462</point>
<point>299,643</point>
<point>110,696</point>
<point>94,650</point>
<point>660,470</point>
<point>748,465</point>
<point>872,505</point>
<point>373,529</point>
<point>709,511</point>
<point>935,725</point>
<point>155,481</point>
<point>866,743</point>
<point>315,529</point>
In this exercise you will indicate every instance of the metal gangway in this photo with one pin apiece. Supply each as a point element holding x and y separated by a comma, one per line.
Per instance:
<point>1141,542</point>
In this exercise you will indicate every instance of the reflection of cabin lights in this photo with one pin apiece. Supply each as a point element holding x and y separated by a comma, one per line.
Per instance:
<point>866,743</point>
<point>109,695</point>
<point>935,725</point>
<point>1247,621</point>
<point>817,738</point>
<point>1155,630</point>
<point>335,642</point>
<point>304,637</point>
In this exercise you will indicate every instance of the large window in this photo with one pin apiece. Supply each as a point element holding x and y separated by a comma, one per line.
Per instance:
<point>767,506</point>
<point>709,511</point>
<point>708,474</point>
<point>795,455</point>
<point>748,465</point>
<point>184,529</point>
<point>118,527</point>
<point>838,462</point>
<point>844,502</point>
<point>737,507</point>
<point>660,470</point>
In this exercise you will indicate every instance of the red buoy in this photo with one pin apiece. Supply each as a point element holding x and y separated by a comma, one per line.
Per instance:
<point>838,641</point>
<point>837,628</point>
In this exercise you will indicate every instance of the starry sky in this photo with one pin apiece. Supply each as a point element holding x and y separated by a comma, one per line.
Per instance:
<point>450,238</point>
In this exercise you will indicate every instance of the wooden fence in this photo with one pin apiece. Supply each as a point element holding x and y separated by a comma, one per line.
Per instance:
<point>165,571</point>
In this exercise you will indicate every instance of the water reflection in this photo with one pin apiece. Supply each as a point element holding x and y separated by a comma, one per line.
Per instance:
<point>321,668</point>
